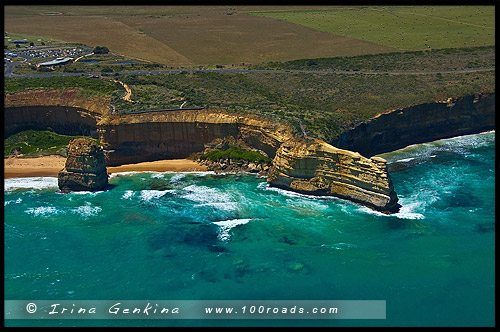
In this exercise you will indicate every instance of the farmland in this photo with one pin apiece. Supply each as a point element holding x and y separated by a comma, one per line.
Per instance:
<point>210,35</point>
<point>336,38</point>
<point>204,35</point>
<point>403,28</point>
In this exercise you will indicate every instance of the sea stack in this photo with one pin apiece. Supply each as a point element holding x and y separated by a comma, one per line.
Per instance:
<point>311,166</point>
<point>85,168</point>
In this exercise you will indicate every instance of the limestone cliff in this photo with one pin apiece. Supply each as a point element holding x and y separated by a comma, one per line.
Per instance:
<point>66,112</point>
<point>132,138</point>
<point>421,123</point>
<point>85,167</point>
<point>311,166</point>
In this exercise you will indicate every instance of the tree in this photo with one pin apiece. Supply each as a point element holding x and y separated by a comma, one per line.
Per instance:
<point>32,44</point>
<point>101,50</point>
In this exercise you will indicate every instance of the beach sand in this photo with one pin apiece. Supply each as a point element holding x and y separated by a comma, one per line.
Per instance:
<point>51,165</point>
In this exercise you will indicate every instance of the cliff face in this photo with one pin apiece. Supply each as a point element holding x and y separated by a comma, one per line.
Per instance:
<point>421,123</point>
<point>177,134</point>
<point>65,113</point>
<point>85,167</point>
<point>311,166</point>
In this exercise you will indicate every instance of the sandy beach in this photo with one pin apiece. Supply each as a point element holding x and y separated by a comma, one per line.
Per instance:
<point>51,165</point>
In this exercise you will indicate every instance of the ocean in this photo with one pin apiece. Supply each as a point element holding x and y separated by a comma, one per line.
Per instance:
<point>203,236</point>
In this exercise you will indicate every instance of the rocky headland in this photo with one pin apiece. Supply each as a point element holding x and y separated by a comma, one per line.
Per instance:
<point>85,168</point>
<point>306,165</point>
<point>311,166</point>
<point>396,129</point>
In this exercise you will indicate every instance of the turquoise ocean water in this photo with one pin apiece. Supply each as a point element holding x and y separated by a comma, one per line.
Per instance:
<point>201,236</point>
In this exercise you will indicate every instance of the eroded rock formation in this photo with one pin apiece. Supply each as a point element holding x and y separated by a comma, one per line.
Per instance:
<point>66,112</point>
<point>311,166</point>
<point>303,165</point>
<point>85,168</point>
<point>135,138</point>
<point>421,123</point>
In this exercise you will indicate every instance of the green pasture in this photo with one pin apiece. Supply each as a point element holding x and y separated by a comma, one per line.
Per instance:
<point>404,28</point>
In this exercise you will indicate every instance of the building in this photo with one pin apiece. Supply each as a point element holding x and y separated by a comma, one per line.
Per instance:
<point>56,62</point>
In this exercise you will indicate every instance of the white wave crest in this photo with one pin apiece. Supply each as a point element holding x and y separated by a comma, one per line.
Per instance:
<point>226,225</point>
<point>17,201</point>
<point>148,195</point>
<point>30,183</point>
<point>112,175</point>
<point>203,194</point>
<point>407,211</point>
<point>178,176</point>
<point>227,206</point>
<point>42,211</point>
<point>128,194</point>
<point>404,160</point>
<point>157,175</point>
<point>87,210</point>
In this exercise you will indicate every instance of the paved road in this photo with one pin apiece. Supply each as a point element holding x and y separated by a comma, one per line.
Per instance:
<point>156,72</point>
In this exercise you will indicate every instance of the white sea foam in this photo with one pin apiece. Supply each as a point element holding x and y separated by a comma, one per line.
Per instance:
<point>90,193</point>
<point>42,211</point>
<point>207,196</point>
<point>157,175</point>
<point>203,194</point>
<point>112,175</point>
<point>226,225</point>
<point>262,186</point>
<point>30,183</point>
<point>339,246</point>
<point>310,199</point>
<point>227,206</point>
<point>404,160</point>
<point>407,211</point>
<point>148,195</point>
<point>177,177</point>
<point>87,210</point>
<point>128,194</point>
<point>17,201</point>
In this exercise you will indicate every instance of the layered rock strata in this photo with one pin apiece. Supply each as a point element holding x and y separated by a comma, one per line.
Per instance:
<point>85,168</point>
<point>142,137</point>
<point>66,113</point>
<point>421,123</point>
<point>311,166</point>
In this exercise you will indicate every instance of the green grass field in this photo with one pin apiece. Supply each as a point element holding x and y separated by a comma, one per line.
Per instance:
<point>404,28</point>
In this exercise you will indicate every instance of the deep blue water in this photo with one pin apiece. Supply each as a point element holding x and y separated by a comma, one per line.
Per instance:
<point>201,236</point>
<point>90,61</point>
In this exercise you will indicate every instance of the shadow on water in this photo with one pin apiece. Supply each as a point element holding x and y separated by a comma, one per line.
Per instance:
<point>189,233</point>
<point>484,227</point>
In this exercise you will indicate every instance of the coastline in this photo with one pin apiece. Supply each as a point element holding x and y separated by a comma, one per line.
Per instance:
<point>51,165</point>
